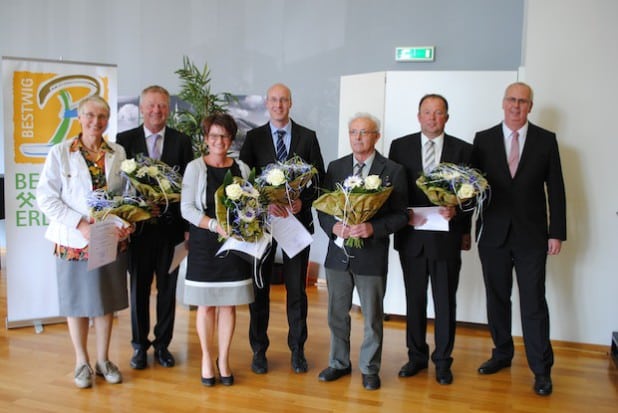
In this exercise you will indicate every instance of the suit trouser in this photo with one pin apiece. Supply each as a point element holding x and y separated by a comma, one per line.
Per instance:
<point>529,264</point>
<point>444,275</point>
<point>150,256</point>
<point>371,289</point>
<point>295,278</point>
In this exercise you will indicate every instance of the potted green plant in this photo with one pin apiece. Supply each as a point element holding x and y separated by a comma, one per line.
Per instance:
<point>195,91</point>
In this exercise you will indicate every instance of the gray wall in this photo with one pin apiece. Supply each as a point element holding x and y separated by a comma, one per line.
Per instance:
<point>250,44</point>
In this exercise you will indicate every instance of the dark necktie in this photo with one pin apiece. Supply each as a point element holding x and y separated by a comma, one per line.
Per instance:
<point>282,152</point>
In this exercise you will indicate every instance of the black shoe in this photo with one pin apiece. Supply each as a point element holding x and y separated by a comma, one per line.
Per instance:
<point>208,381</point>
<point>494,365</point>
<point>164,357</point>
<point>299,362</point>
<point>225,380</point>
<point>259,364</point>
<point>444,376</point>
<point>139,359</point>
<point>371,381</point>
<point>542,385</point>
<point>411,369</point>
<point>331,374</point>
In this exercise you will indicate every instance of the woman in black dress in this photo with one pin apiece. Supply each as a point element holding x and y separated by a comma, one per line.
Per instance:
<point>215,284</point>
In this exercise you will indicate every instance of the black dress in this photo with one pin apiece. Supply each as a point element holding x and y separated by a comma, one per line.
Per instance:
<point>215,280</point>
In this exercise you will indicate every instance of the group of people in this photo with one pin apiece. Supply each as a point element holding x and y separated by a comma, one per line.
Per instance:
<point>524,221</point>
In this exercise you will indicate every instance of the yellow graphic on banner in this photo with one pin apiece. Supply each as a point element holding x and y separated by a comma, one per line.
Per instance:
<point>45,110</point>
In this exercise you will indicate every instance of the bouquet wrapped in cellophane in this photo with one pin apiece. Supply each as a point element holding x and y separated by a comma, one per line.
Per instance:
<point>130,209</point>
<point>355,201</point>
<point>239,210</point>
<point>282,182</point>
<point>454,185</point>
<point>154,180</point>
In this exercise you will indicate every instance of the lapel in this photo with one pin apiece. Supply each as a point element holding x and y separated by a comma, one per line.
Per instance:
<point>269,145</point>
<point>499,149</point>
<point>140,142</point>
<point>529,146</point>
<point>296,139</point>
<point>448,150</point>
<point>378,165</point>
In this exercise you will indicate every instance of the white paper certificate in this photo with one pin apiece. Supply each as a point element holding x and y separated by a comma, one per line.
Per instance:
<point>103,246</point>
<point>180,252</point>
<point>434,221</point>
<point>290,234</point>
<point>254,249</point>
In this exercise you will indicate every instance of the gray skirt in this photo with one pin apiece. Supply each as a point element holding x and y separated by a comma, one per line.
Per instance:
<point>83,293</point>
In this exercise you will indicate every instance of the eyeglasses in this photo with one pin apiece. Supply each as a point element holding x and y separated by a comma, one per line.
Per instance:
<point>362,132</point>
<point>514,101</point>
<point>93,116</point>
<point>216,136</point>
<point>278,100</point>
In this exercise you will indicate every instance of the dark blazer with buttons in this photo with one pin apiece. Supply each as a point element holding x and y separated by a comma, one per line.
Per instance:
<point>259,151</point>
<point>177,151</point>
<point>532,204</point>
<point>372,258</point>
<point>440,245</point>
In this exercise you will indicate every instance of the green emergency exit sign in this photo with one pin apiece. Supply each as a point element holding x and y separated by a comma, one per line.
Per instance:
<point>415,54</point>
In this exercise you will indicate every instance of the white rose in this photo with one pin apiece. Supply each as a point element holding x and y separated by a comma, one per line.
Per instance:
<point>152,171</point>
<point>275,177</point>
<point>466,191</point>
<point>128,166</point>
<point>373,182</point>
<point>233,191</point>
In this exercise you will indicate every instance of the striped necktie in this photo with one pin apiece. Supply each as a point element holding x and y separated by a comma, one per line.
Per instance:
<point>358,169</point>
<point>430,156</point>
<point>282,152</point>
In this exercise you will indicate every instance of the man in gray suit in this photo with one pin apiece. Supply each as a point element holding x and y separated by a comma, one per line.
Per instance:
<point>364,268</point>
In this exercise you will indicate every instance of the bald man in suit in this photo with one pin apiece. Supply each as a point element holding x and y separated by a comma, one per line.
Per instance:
<point>260,149</point>
<point>523,223</point>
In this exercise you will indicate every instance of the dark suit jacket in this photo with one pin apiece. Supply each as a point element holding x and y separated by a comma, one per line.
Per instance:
<point>407,151</point>
<point>177,151</point>
<point>520,204</point>
<point>259,151</point>
<point>372,258</point>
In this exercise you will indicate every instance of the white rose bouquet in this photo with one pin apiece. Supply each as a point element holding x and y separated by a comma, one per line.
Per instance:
<point>354,201</point>
<point>154,180</point>
<point>282,182</point>
<point>239,210</point>
<point>454,185</point>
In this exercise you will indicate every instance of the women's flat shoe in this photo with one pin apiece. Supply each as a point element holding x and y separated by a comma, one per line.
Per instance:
<point>208,381</point>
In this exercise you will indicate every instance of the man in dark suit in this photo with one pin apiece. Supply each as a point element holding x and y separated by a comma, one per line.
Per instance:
<point>430,254</point>
<point>364,268</point>
<point>152,245</point>
<point>524,221</point>
<point>279,139</point>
